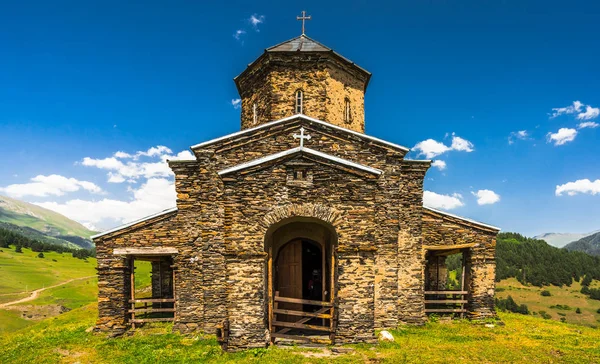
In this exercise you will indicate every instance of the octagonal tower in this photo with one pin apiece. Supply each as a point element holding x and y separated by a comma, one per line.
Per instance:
<point>302,76</point>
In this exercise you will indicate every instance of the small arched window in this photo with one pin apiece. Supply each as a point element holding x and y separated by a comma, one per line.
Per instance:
<point>299,101</point>
<point>255,116</point>
<point>347,114</point>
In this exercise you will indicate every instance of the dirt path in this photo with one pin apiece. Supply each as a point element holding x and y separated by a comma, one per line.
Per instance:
<point>34,294</point>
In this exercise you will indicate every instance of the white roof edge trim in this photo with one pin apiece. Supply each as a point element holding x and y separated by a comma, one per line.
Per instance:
<point>462,218</point>
<point>301,116</point>
<point>164,212</point>
<point>298,150</point>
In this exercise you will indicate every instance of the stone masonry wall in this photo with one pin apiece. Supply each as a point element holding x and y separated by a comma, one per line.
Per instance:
<point>326,82</point>
<point>441,229</point>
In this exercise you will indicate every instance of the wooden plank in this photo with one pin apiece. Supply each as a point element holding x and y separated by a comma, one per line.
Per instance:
<point>462,282</point>
<point>312,339</point>
<point>162,319</point>
<point>306,302</point>
<point>428,310</point>
<point>270,288</point>
<point>140,310</point>
<point>151,300</point>
<point>332,296</point>
<point>446,292</point>
<point>448,247</point>
<point>132,301</point>
<point>145,251</point>
<point>296,325</point>
<point>303,314</point>
<point>301,321</point>
<point>445,301</point>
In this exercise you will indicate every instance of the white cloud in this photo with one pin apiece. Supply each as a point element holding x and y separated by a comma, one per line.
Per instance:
<point>132,170</point>
<point>431,148</point>
<point>154,195</point>
<point>444,202</point>
<point>579,186</point>
<point>562,136</point>
<point>236,103</point>
<point>486,197</point>
<point>439,164</point>
<point>122,155</point>
<point>461,144</point>
<point>52,185</point>
<point>238,34</point>
<point>590,113</point>
<point>255,20</point>
<point>521,134</point>
<point>587,124</point>
<point>576,107</point>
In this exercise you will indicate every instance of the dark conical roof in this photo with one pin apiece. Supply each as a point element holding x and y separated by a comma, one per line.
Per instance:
<point>305,44</point>
<point>300,44</point>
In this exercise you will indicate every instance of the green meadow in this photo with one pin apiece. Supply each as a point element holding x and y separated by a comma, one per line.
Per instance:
<point>529,339</point>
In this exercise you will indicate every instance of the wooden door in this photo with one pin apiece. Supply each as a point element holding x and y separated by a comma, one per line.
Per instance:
<point>289,276</point>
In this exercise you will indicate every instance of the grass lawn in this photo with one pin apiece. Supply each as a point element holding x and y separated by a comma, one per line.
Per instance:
<point>522,339</point>
<point>21,272</point>
<point>565,296</point>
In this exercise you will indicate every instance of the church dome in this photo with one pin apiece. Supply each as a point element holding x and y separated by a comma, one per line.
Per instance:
<point>303,76</point>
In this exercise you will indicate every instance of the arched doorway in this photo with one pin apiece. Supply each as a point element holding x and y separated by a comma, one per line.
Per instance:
<point>301,278</point>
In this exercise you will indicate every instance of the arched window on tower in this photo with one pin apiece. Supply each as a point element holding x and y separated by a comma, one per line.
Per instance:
<point>347,114</point>
<point>299,101</point>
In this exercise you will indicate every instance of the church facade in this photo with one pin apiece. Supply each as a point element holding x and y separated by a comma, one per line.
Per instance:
<point>298,227</point>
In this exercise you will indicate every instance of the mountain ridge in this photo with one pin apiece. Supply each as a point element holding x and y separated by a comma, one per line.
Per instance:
<point>589,244</point>
<point>42,224</point>
<point>560,240</point>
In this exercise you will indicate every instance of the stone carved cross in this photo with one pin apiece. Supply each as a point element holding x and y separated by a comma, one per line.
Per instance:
<point>301,136</point>
<point>303,18</point>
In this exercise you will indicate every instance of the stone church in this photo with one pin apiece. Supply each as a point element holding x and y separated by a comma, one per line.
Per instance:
<point>297,227</point>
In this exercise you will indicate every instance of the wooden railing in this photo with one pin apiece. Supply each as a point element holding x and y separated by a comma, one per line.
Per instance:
<point>445,302</point>
<point>147,310</point>
<point>326,312</point>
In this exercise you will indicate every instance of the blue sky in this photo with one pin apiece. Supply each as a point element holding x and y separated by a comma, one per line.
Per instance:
<point>84,80</point>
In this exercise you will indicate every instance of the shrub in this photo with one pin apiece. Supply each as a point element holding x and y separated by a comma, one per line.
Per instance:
<point>598,311</point>
<point>561,307</point>
<point>546,293</point>
<point>54,260</point>
<point>545,315</point>
<point>561,314</point>
<point>500,289</point>
<point>18,249</point>
<point>562,319</point>
<point>41,255</point>
<point>578,310</point>
<point>585,290</point>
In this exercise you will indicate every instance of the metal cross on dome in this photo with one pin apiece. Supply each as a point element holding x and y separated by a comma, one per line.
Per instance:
<point>303,18</point>
<point>301,136</point>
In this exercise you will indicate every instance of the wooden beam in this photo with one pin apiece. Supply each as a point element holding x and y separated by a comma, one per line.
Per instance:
<point>270,288</point>
<point>449,247</point>
<point>145,251</point>
<point>296,325</point>
<point>431,310</point>
<point>445,301</point>
<point>141,310</point>
<point>162,319</point>
<point>306,302</point>
<point>303,314</point>
<point>151,300</point>
<point>446,292</point>
<point>312,339</point>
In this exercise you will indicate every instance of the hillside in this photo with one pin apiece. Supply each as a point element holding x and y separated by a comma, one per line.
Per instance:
<point>589,244</point>
<point>522,339</point>
<point>559,240</point>
<point>42,224</point>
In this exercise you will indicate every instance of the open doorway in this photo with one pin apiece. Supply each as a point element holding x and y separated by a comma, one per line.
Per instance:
<point>300,279</point>
<point>445,282</point>
<point>151,289</point>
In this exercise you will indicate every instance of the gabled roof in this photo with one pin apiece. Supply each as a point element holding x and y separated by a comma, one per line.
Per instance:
<point>291,119</point>
<point>474,222</point>
<point>300,150</point>
<point>121,227</point>
<point>305,44</point>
